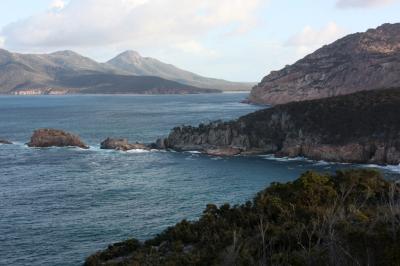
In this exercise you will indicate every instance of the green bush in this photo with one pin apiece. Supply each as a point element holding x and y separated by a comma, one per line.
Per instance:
<point>350,218</point>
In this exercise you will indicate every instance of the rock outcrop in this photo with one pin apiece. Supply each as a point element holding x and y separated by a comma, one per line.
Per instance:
<point>55,138</point>
<point>359,128</point>
<point>122,145</point>
<point>5,142</point>
<point>357,62</point>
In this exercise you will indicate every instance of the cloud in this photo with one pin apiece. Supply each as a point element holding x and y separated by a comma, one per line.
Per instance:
<point>362,3</point>
<point>135,23</point>
<point>57,4</point>
<point>310,39</point>
<point>1,42</point>
<point>194,47</point>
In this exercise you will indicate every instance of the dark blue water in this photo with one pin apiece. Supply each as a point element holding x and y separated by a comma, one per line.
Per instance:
<point>59,205</point>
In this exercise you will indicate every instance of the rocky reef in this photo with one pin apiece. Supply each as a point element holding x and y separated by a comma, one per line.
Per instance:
<point>357,62</point>
<point>348,218</point>
<point>122,145</point>
<point>362,127</point>
<point>5,142</point>
<point>55,138</point>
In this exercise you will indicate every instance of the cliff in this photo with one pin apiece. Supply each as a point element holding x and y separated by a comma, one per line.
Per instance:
<point>359,128</point>
<point>357,62</point>
<point>350,218</point>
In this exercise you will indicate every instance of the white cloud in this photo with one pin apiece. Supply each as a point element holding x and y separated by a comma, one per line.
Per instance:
<point>196,48</point>
<point>129,23</point>
<point>310,39</point>
<point>362,3</point>
<point>57,4</point>
<point>1,42</point>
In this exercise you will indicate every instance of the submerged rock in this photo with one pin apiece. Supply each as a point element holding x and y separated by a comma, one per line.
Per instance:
<point>55,138</point>
<point>122,145</point>
<point>5,142</point>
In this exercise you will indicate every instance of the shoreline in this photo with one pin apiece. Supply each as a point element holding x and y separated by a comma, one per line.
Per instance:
<point>393,168</point>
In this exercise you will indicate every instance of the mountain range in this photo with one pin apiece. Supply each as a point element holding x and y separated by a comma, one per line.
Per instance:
<point>69,72</point>
<point>357,62</point>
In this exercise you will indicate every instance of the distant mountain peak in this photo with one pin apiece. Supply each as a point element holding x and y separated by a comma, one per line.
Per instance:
<point>65,53</point>
<point>132,63</point>
<point>130,54</point>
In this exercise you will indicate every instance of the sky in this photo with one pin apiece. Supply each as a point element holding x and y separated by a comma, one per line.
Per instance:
<point>238,40</point>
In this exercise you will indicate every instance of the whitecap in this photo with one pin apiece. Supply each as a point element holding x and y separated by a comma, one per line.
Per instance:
<point>138,151</point>
<point>194,152</point>
<point>391,168</point>
<point>272,157</point>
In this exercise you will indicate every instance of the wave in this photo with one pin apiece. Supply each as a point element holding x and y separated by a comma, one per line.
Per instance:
<point>272,157</point>
<point>137,151</point>
<point>194,152</point>
<point>391,168</point>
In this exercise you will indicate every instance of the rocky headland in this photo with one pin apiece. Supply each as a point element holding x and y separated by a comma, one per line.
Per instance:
<point>362,127</point>
<point>43,138</point>
<point>357,62</point>
<point>122,145</point>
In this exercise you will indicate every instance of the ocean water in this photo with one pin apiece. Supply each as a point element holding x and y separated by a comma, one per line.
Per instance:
<point>59,205</point>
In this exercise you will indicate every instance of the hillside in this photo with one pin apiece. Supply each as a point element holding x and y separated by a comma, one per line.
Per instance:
<point>134,64</point>
<point>123,84</point>
<point>363,127</point>
<point>357,62</point>
<point>350,218</point>
<point>21,71</point>
<point>68,72</point>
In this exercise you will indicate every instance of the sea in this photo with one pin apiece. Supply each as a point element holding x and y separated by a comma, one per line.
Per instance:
<point>59,205</point>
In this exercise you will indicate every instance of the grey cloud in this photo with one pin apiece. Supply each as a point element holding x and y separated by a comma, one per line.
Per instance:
<point>362,3</point>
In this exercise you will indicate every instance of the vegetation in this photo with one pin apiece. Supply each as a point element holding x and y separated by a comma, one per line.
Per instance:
<point>349,218</point>
<point>366,115</point>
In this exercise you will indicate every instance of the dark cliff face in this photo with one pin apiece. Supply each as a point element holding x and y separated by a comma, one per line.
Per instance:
<point>361,127</point>
<point>357,62</point>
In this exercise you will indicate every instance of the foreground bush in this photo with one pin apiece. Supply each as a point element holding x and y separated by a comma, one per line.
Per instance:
<point>350,218</point>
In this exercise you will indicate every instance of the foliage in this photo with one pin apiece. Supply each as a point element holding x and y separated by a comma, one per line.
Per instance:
<point>350,218</point>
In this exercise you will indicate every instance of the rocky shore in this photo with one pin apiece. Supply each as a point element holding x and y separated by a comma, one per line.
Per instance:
<point>359,128</point>
<point>363,127</point>
<point>122,145</point>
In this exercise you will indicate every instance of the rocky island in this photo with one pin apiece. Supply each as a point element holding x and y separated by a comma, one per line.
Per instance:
<point>362,127</point>
<point>357,62</point>
<point>43,138</point>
